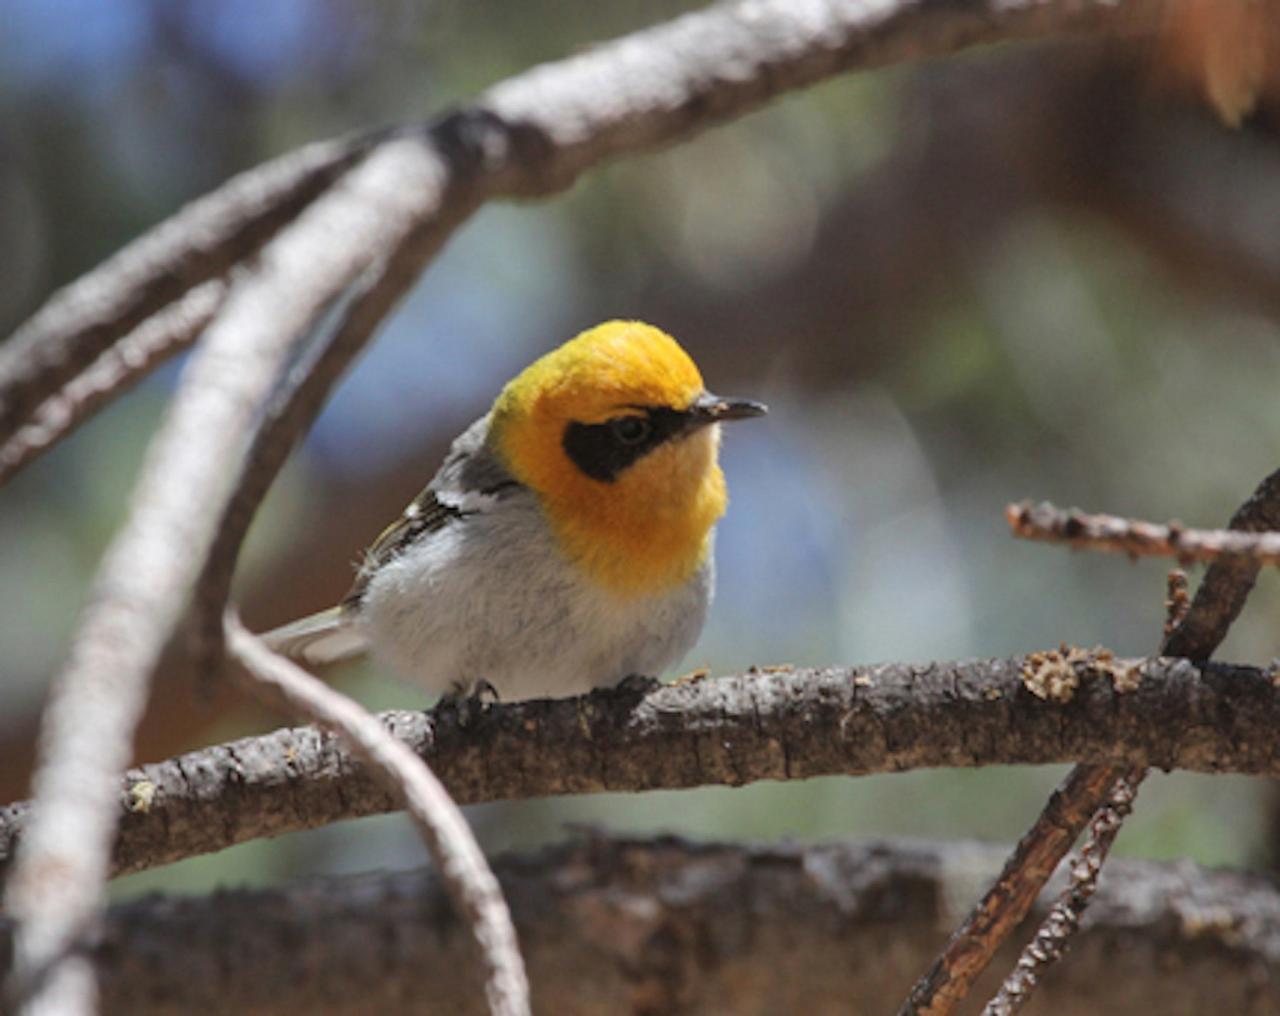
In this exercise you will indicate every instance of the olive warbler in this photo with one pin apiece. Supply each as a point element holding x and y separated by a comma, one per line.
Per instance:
<point>565,544</point>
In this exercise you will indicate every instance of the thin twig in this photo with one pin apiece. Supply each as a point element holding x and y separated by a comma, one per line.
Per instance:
<point>295,406</point>
<point>1217,603</point>
<point>457,856</point>
<point>1177,601</point>
<point>1228,582</point>
<point>1095,531</point>
<point>116,371</point>
<point>1063,920</point>
<point>1009,899</point>
<point>152,563</point>
<point>1222,601</point>
<point>1062,923</point>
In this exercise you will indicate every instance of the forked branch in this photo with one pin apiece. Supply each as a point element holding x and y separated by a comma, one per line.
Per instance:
<point>457,856</point>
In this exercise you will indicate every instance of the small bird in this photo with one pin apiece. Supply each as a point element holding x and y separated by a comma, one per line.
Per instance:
<point>565,544</point>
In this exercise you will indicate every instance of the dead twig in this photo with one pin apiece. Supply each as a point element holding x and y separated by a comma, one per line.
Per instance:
<point>1096,531</point>
<point>1009,899</point>
<point>1228,582</point>
<point>153,561</point>
<point>457,856</point>
<point>1217,603</point>
<point>1063,920</point>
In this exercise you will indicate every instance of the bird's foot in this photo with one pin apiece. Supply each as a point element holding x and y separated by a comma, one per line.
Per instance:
<point>638,685</point>
<point>469,705</point>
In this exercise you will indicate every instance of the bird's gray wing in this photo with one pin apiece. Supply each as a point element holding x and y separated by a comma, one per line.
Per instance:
<point>467,482</point>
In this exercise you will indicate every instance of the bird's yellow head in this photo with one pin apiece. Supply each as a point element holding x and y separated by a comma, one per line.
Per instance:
<point>616,434</point>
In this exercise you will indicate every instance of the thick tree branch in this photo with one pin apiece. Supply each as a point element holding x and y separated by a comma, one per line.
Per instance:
<point>457,856</point>
<point>620,926</point>
<point>728,730</point>
<point>533,135</point>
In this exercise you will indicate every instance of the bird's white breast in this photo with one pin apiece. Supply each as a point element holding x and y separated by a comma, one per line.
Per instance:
<point>490,597</point>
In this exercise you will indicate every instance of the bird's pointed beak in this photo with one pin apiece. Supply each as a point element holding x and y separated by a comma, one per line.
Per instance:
<point>708,408</point>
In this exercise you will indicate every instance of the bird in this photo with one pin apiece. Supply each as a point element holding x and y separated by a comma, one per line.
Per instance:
<point>565,544</point>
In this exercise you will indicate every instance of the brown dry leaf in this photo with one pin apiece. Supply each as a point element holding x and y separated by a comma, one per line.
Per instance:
<point>1221,44</point>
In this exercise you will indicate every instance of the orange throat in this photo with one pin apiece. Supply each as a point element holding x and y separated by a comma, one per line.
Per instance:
<point>650,530</point>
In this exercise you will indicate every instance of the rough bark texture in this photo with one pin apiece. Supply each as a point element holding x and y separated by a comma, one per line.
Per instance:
<point>1057,932</point>
<point>994,917</point>
<point>734,730</point>
<point>615,926</point>
<point>1195,631</point>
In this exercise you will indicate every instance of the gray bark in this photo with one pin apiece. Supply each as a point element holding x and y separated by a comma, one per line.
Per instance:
<point>731,731</point>
<point>617,926</point>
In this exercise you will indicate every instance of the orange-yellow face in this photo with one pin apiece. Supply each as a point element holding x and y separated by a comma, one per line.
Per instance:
<point>618,437</point>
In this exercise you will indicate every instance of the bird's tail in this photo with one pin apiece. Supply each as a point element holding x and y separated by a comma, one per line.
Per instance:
<point>326,637</point>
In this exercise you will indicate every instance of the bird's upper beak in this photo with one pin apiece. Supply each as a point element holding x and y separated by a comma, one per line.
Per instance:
<point>708,408</point>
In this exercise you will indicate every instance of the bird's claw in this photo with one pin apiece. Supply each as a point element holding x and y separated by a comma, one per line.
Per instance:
<point>471,705</point>
<point>638,685</point>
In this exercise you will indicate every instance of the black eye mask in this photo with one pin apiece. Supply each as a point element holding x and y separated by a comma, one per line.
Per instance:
<point>603,450</point>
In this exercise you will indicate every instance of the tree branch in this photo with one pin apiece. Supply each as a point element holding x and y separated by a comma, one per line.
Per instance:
<point>533,135</point>
<point>203,241</point>
<point>1055,933</point>
<point>1228,582</point>
<point>292,410</point>
<point>152,563</point>
<point>114,372</point>
<point>457,856</point>
<point>1003,907</point>
<point>1064,918</point>
<point>735,730</point>
<point>974,943</point>
<point>1096,531</point>
<point>622,925</point>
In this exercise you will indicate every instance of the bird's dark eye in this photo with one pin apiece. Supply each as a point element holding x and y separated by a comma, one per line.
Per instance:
<point>630,430</point>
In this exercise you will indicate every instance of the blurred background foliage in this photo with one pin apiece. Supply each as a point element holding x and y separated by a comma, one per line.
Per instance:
<point>1045,271</point>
